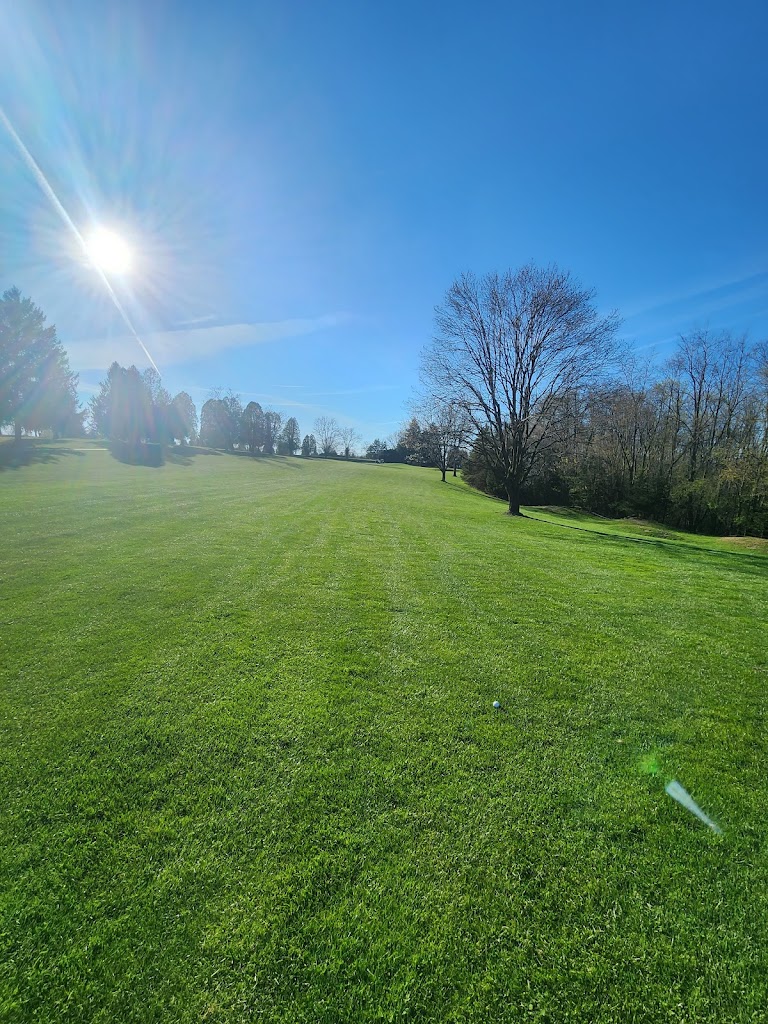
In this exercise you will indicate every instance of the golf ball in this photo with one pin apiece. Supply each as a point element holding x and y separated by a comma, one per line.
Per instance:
<point>497,704</point>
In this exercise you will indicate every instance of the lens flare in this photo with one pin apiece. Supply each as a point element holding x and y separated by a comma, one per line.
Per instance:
<point>684,798</point>
<point>44,184</point>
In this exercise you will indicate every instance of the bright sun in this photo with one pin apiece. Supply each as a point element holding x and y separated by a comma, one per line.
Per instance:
<point>108,252</point>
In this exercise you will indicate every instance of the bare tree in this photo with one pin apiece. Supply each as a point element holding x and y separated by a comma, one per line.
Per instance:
<point>625,420</point>
<point>760,365</point>
<point>446,428</point>
<point>712,370</point>
<point>327,432</point>
<point>508,348</point>
<point>349,439</point>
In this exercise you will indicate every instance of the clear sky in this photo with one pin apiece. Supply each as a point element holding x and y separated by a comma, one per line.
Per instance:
<point>302,181</point>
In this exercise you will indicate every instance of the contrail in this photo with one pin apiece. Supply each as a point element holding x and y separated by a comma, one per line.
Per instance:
<point>42,181</point>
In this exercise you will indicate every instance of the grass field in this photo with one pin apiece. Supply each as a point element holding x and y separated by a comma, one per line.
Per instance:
<point>251,770</point>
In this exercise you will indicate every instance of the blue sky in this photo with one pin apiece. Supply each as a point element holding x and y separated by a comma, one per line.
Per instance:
<point>301,182</point>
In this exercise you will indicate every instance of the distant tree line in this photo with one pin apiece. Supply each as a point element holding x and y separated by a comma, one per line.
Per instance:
<point>132,409</point>
<point>434,436</point>
<point>225,424</point>
<point>135,412</point>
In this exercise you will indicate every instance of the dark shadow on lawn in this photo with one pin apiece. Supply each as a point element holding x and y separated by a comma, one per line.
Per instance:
<point>184,455</point>
<point>137,453</point>
<point>461,488</point>
<point>740,561</point>
<point>279,461</point>
<point>156,455</point>
<point>143,453</point>
<point>571,513</point>
<point>28,452</point>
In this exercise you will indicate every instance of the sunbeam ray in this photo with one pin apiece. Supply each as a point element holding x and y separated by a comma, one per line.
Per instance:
<point>45,186</point>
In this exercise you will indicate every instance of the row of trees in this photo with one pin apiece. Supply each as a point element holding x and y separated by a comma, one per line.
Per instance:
<point>38,391</point>
<point>434,436</point>
<point>134,408</point>
<point>225,424</point>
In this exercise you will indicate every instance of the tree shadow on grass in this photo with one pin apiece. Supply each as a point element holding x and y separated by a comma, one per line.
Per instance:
<point>278,461</point>
<point>185,453</point>
<point>747,562</point>
<point>260,459</point>
<point>155,455</point>
<point>184,456</point>
<point>28,452</point>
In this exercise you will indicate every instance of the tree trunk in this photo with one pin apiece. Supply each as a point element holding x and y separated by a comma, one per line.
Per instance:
<point>17,431</point>
<point>442,470</point>
<point>513,493</point>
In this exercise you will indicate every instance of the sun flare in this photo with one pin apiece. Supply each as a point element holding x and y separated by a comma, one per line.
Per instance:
<point>108,252</point>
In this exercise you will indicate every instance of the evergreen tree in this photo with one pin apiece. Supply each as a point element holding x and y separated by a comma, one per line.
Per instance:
<point>37,388</point>
<point>272,424</point>
<point>253,427</point>
<point>183,418</point>
<point>290,439</point>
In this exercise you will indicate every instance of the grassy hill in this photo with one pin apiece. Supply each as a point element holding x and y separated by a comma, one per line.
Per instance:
<point>251,770</point>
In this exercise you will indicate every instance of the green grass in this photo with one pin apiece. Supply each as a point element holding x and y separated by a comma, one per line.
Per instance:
<point>251,770</point>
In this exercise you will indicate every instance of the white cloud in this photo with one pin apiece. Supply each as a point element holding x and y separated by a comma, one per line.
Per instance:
<point>721,294</point>
<point>195,320</point>
<point>358,391</point>
<point>169,348</point>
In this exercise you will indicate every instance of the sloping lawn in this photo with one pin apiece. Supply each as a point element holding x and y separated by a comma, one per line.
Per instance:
<point>251,770</point>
